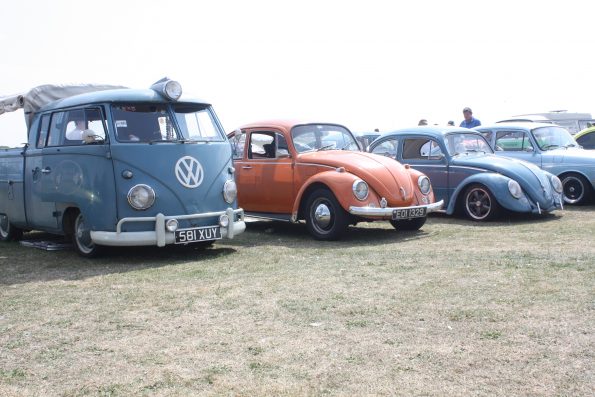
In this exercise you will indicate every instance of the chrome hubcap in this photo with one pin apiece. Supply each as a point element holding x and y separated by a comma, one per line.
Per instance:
<point>3,225</point>
<point>83,235</point>
<point>322,216</point>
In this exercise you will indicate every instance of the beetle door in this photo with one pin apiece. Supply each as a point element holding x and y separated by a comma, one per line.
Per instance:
<point>264,174</point>
<point>427,155</point>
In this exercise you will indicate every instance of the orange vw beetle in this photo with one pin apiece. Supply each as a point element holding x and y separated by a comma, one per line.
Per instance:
<point>315,172</point>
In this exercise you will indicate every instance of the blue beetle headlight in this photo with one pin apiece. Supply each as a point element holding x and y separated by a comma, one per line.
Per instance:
<point>515,189</point>
<point>556,184</point>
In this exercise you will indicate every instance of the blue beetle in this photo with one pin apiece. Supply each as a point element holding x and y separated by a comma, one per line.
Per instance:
<point>551,148</point>
<point>467,175</point>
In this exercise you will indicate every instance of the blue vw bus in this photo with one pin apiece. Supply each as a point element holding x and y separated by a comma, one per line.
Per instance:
<point>111,166</point>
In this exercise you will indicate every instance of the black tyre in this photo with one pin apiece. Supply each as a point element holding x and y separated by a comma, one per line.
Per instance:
<point>325,218</point>
<point>9,232</point>
<point>479,203</point>
<point>81,238</point>
<point>577,189</point>
<point>409,224</point>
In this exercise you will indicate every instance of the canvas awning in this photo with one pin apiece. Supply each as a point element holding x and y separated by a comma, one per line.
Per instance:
<point>40,96</point>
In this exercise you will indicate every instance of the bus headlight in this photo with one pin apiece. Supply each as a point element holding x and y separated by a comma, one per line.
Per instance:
<point>141,197</point>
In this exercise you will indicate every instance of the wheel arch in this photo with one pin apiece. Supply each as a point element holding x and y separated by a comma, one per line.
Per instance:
<point>339,183</point>
<point>589,188</point>
<point>68,218</point>
<point>492,181</point>
<point>579,173</point>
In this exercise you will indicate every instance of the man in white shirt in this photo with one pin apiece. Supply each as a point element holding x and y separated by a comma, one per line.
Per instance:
<point>77,133</point>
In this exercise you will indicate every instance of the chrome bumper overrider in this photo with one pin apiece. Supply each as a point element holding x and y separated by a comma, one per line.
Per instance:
<point>388,211</point>
<point>161,236</point>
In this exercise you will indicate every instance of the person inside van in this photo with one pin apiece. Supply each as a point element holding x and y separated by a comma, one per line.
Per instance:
<point>76,134</point>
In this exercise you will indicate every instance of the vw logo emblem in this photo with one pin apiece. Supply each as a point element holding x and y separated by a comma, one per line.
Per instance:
<point>189,172</point>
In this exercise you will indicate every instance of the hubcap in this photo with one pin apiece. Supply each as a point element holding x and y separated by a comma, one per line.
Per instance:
<point>478,204</point>
<point>322,216</point>
<point>83,235</point>
<point>3,225</point>
<point>573,190</point>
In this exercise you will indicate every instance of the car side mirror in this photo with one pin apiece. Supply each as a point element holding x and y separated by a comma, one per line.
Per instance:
<point>283,154</point>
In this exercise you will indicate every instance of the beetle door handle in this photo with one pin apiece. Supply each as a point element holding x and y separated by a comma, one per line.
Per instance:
<point>247,167</point>
<point>46,170</point>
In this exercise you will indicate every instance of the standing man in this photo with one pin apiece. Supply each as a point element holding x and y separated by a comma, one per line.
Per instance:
<point>469,121</point>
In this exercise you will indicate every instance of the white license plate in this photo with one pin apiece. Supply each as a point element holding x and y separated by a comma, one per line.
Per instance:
<point>206,233</point>
<point>408,213</point>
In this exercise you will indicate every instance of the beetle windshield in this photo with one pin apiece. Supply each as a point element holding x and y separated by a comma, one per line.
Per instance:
<point>153,123</point>
<point>466,143</point>
<point>312,137</point>
<point>549,138</point>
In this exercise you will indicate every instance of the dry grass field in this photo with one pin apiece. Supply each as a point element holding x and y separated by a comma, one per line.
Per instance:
<point>456,309</point>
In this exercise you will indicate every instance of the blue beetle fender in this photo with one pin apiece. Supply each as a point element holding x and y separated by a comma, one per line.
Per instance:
<point>498,186</point>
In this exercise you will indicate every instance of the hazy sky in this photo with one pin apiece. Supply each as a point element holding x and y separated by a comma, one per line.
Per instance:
<point>366,64</point>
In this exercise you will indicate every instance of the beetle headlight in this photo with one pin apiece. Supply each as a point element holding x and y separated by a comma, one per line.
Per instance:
<point>360,189</point>
<point>557,184</point>
<point>515,189</point>
<point>230,191</point>
<point>424,184</point>
<point>141,197</point>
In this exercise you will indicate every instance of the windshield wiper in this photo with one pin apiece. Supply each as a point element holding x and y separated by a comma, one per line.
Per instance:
<point>570,145</point>
<point>550,146</point>
<point>325,147</point>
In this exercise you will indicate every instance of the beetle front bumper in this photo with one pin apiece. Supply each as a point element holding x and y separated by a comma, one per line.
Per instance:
<point>387,212</point>
<point>161,236</point>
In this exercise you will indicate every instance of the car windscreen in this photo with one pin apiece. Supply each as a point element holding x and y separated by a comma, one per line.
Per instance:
<point>461,143</point>
<point>549,138</point>
<point>142,122</point>
<point>154,123</point>
<point>198,122</point>
<point>311,137</point>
